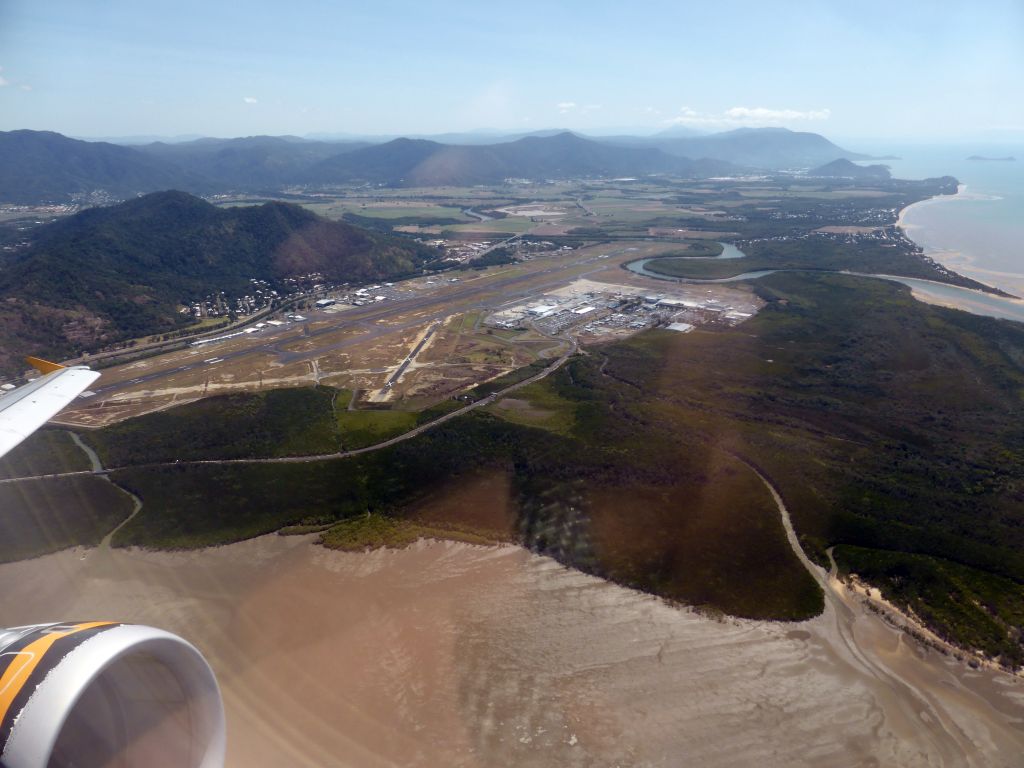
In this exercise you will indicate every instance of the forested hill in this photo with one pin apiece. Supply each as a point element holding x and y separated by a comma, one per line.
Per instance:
<point>844,169</point>
<point>759,148</point>
<point>41,166</point>
<point>45,167</point>
<point>421,163</point>
<point>108,274</point>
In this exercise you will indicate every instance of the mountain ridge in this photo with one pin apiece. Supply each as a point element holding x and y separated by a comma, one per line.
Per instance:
<point>114,273</point>
<point>43,166</point>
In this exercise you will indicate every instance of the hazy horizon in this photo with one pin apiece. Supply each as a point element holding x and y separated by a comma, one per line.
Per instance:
<point>874,73</point>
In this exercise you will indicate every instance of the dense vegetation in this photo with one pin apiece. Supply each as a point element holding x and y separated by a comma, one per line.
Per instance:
<point>961,604</point>
<point>889,427</point>
<point>41,166</point>
<point>885,423</point>
<point>493,258</point>
<point>108,274</point>
<point>374,531</point>
<point>279,422</point>
<point>756,147</point>
<point>607,493</point>
<point>247,163</point>
<point>420,163</point>
<point>45,452</point>
<point>815,254</point>
<point>843,168</point>
<point>43,516</point>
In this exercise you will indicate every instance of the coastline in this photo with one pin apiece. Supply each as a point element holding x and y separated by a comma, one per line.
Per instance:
<point>958,261</point>
<point>961,190</point>
<point>452,654</point>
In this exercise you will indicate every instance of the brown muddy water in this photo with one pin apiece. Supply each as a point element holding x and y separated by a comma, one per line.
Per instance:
<point>447,654</point>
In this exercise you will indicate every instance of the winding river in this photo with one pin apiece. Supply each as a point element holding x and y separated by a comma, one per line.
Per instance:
<point>929,291</point>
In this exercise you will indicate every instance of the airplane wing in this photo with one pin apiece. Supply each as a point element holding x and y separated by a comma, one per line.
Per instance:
<point>25,409</point>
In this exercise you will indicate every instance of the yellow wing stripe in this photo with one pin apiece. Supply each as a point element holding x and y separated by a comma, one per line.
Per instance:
<point>20,670</point>
<point>43,366</point>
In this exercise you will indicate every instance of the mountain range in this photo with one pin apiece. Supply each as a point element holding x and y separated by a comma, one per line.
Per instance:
<point>42,166</point>
<point>422,163</point>
<point>119,272</point>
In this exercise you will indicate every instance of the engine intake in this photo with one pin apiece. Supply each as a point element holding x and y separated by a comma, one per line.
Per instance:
<point>106,694</point>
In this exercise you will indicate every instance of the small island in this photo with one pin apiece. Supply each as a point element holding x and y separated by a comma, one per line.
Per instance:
<point>982,158</point>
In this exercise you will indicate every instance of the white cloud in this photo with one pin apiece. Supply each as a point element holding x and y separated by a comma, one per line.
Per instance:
<point>25,87</point>
<point>761,114</point>
<point>565,107</point>
<point>250,100</point>
<point>748,116</point>
<point>592,107</point>
<point>3,82</point>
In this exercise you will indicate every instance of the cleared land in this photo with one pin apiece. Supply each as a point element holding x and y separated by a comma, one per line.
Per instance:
<point>360,348</point>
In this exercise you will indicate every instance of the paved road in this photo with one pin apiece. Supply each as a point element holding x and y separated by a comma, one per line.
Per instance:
<point>370,318</point>
<point>572,348</point>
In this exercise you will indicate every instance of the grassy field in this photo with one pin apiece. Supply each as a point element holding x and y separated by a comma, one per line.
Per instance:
<point>392,210</point>
<point>481,391</point>
<point>376,531</point>
<point>359,429</point>
<point>43,516</point>
<point>43,453</point>
<point>537,405</point>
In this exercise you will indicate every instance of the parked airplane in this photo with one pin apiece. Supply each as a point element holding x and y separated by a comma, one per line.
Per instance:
<point>98,693</point>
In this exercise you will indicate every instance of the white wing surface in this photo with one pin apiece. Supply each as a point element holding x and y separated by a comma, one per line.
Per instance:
<point>25,409</point>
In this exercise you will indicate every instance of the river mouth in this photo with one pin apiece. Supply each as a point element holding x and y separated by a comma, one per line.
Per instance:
<point>927,291</point>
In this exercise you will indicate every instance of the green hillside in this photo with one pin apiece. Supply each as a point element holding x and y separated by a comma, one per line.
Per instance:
<point>125,271</point>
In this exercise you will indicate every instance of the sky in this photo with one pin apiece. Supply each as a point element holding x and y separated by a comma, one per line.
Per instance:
<point>926,71</point>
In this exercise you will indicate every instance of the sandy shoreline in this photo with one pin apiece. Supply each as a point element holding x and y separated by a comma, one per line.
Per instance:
<point>958,261</point>
<point>455,655</point>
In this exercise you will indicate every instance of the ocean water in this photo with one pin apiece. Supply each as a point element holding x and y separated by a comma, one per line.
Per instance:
<point>979,232</point>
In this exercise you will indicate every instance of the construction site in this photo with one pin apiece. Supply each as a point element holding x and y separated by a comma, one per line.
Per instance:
<point>414,343</point>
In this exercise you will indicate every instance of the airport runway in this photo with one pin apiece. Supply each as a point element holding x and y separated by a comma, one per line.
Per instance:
<point>373,320</point>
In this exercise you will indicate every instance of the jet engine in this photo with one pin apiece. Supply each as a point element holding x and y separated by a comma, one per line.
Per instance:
<point>101,694</point>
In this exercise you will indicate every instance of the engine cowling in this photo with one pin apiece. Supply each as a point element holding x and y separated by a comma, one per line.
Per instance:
<point>106,694</point>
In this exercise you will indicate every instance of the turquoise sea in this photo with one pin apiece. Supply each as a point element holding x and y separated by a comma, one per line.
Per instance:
<point>979,232</point>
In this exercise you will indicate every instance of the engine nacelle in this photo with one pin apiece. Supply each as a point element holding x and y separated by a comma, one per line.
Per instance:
<point>106,694</point>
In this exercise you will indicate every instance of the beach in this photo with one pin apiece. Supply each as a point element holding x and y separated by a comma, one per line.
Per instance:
<point>914,221</point>
<point>979,231</point>
<point>448,654</point>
